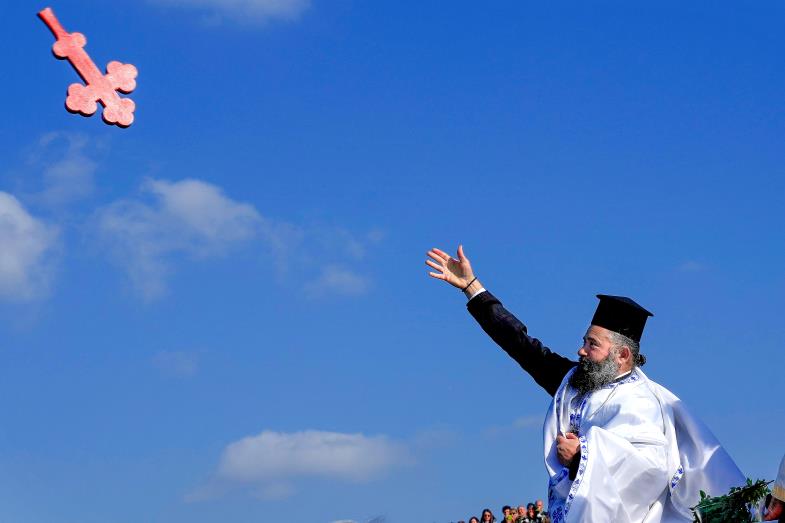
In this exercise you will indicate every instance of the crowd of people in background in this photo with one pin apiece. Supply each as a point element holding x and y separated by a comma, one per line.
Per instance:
<point>531,513</point>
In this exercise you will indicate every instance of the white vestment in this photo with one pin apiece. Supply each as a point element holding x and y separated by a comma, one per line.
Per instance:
<point>643,457</point>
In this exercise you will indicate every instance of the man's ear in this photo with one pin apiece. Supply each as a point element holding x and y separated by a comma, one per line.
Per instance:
<point>625,353</point>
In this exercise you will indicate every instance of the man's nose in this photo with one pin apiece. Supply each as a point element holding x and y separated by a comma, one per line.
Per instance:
<point>582,351</point>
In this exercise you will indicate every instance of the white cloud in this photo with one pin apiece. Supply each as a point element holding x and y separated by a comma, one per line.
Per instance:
<point>339,241</point>
<point>189,217</point>
<point>192,218</point>
<point>67,172</point>
<point>246,11</point>
<point>325,253</point>
<point>275,491</point>
<point>335,279</point>
<point>209,219</point>
<point>273,458</point>
<point>342,243</point>
<point>25,242</point>
<point>525,422</point>
<point>521,423</point>
<point>691,266</point>
<point>435,438</point>
<point>177,363</point>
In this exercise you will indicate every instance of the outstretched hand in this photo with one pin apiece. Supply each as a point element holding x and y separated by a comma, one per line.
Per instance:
<point>457,272</point>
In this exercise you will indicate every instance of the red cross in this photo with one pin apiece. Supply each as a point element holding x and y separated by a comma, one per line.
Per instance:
<point>99,87</point>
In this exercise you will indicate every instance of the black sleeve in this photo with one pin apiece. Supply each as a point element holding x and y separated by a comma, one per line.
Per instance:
<point>546,367</point>
<point>576,461</point>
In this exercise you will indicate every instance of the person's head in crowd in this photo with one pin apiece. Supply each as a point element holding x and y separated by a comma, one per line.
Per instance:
<point>538,506</point>
<point>487,516</point>
<point>521,512</point>
<point>530,510</point>
<point>474,519</point>
<point>506,509</point>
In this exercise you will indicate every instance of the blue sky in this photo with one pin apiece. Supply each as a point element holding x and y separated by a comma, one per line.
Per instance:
<point>222,313</point>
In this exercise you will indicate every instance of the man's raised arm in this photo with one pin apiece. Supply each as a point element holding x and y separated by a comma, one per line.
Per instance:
<point>546,367</point>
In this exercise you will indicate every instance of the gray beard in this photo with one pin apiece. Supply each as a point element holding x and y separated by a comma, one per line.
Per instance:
<point>590,376</point>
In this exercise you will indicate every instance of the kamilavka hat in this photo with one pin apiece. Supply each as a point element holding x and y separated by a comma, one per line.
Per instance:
<point>622,315</point>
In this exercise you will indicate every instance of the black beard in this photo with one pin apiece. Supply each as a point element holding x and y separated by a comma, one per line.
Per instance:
<point>590,376</point>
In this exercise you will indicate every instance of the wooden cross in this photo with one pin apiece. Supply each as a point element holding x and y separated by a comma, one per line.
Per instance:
<point>99,87</point>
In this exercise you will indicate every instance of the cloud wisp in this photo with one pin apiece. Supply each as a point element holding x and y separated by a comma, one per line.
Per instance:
<point>271,462</point>
<point>181,364</point>
<point>312,453</point>
<point>195,219</point>
<point>189,217</point>
<point>245,11</point>
<point>531,422</point>
<point>67,171</point>
<point>336,279</point>
<point>336,252</point>
<point>25,245</point>
<point>147,235</point>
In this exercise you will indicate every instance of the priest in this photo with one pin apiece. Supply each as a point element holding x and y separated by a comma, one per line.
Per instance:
<point>618,447</point>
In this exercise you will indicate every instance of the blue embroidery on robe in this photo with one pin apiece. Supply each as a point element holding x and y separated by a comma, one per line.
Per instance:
<point>576,417</point>
<point>677,477</point>
<point>579,476</point>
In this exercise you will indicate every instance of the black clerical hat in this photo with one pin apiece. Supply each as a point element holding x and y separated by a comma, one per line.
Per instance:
<point>622,315</point>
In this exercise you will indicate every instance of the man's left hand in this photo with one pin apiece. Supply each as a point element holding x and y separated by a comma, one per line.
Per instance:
<point>567,447</point>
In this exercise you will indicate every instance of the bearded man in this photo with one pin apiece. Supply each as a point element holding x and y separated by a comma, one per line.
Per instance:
<point>618,447</point>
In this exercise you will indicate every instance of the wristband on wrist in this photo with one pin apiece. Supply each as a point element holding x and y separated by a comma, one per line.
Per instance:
<point>470,284</point>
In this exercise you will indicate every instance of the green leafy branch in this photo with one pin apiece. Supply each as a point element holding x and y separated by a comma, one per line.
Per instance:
<point>733,507</point>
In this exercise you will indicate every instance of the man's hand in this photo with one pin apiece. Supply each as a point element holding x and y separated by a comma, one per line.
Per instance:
<point>457,273</point>
<point>567,447</point>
